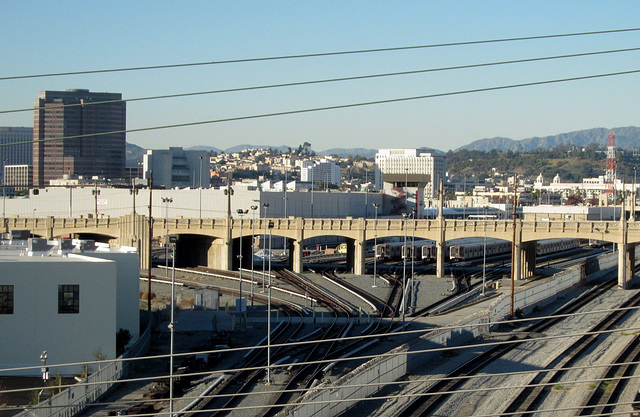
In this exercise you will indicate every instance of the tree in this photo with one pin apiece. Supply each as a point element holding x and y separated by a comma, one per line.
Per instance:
<point>123,337</point>
<point>573,200</point>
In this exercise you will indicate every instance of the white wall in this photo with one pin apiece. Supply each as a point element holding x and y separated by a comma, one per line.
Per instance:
<point>127,300</point>
<point>36,325</point>
<point>211,203</point>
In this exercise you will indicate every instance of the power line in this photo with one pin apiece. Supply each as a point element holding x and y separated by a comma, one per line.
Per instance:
<point>416,333</point>
<point>335,107</point>
<point>431,379</point>
<point>321,54</point>
<point>330,80</point>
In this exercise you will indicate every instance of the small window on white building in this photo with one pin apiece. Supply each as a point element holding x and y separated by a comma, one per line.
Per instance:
<point>68,299</point>
<point>6,299</point>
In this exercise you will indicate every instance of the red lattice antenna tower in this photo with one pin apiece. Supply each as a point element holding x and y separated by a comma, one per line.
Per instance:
<point>610,174</point>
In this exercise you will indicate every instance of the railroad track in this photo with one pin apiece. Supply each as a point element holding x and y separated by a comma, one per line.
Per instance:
<point>431,398</point>
<point>542,382</point>
<point>602,399</point>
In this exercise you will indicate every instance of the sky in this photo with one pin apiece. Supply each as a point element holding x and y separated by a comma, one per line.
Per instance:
<point>44,37</point>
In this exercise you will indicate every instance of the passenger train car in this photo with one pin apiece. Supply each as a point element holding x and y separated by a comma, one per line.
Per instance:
<point>475,248</point>
<point>465,249</point>
<point>545,247</point>
<point>394,251</point>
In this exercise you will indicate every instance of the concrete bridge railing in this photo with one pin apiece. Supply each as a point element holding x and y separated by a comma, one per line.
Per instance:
<point>217,235</point>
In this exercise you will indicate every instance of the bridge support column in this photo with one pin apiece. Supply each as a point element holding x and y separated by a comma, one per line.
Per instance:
<point>626,258</point>
<point>441,249</point>
<point>143,240</point>
<point>133,232</point>
<point>296,247</point>
<point>48,224</point>
<point>218,255</point>
<point>359,250</point>
<point>631,261</point>
<point>295,255</point>
<point>527,259</point>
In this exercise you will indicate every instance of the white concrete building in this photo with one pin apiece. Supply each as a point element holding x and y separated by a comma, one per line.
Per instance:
<point>19,154</point>
<point>571,213</point>
<point>17,178</point>
<point>410,174</point>
<point>176,167</point>
<point>589,187</point>
<point>323,171</point>
<point>68,303</point>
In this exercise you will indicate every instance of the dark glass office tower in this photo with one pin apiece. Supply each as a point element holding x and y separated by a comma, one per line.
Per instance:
<point>74,135</point>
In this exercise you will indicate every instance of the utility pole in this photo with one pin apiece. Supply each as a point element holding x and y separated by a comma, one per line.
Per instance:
<point>375,245</point>
<point>513,245</point>
<point>242,305</point>
<point>253,240</point>
<point>200,189</point>
<point>166,201</point>
<point>229,193</point>
<point>149,257</point>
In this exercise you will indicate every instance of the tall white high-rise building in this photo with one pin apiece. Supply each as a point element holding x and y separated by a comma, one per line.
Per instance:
<point>323,171</point>
<point>410,174</point>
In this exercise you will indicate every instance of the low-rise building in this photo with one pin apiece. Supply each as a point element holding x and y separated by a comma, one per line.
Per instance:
<point>67,298</point>
<point>177,168</point>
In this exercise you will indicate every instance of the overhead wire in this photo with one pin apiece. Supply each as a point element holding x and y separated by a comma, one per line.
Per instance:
<point>416,352</point>
<point>348,105</point>
<point>333,107</point>
<point>415,333</point>
<point>322,54</point>
<point>327,80</point>
<point>375,397</point>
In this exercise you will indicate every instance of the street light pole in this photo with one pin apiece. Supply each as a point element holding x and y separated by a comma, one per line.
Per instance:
<point>413,248</point>
<point>266,206</point>
<point>45,371</point>
<point>406,189</point>
<point>269,313</point>
<point>96,193</point>
<point>484,255</point>
<point>375,245</point>
<point>4,207</point>
<point>404,266</point>
<point>253,239</point>
<point>241,213</point>
<point>166,201</point>
<point>200,188</point>
<point>171,327</point>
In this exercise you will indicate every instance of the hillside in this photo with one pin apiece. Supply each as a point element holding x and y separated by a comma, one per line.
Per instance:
<point>626,138</point>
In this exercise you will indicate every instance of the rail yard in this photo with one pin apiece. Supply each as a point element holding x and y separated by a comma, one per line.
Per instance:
<point>326,324</point>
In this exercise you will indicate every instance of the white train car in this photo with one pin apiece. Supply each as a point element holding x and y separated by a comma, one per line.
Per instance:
<point>418,247</point>
<point>475,248</point>
<point>429,252</point>
<point>545,247</point>
<point>394,251</point>
<point>388,251</point>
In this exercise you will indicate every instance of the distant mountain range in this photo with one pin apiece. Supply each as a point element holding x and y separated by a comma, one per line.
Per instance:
<point>626,138</point>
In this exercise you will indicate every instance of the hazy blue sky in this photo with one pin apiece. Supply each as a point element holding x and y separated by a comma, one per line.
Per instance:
<point>58,36</point>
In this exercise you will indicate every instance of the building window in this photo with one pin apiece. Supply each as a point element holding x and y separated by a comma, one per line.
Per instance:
<point>6,299</point>
<point>68,299</point>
